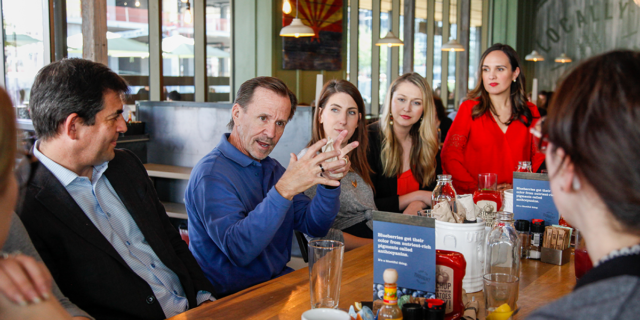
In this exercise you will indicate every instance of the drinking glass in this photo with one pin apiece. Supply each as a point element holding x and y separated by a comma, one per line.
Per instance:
<point>425,213</point>
<point>325,272</point>
<point>500,289</point>
<point>582,261</point>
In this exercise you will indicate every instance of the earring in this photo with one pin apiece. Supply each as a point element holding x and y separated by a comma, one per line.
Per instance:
<point>576,183</point>
<point>514,80</point>
<point>391,121</point>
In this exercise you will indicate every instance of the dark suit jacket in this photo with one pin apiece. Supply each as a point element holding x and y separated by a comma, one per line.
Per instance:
<point>82,261</point>
<point>386,188</point>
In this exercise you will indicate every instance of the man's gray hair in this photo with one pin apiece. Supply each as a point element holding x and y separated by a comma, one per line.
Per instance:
<point>245,93</point>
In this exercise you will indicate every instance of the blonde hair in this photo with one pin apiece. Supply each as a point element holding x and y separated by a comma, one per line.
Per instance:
<point>8,142</point>
<point>424,135</point>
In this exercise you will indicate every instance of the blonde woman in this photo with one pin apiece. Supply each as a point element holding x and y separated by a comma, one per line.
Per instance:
<point>403,147</point>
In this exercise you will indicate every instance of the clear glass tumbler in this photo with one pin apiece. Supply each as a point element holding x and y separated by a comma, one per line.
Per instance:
<point>501,295</point>
<point>325,272</point>
<point>582,261</point>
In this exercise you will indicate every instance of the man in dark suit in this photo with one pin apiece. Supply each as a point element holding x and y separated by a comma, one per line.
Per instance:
<point>92,211</point>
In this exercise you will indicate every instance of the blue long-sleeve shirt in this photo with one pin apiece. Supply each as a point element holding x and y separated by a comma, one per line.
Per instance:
<point>240,227</point>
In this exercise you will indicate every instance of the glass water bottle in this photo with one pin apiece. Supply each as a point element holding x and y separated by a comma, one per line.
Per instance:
<point>444,191</point>
<point>503,246</point>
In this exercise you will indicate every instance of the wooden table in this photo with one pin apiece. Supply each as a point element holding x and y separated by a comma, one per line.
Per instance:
<point>287,297</point>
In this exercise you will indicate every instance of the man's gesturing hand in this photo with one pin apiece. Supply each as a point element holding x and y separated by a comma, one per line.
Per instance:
<point>342,164</point>
<point>305,172</point>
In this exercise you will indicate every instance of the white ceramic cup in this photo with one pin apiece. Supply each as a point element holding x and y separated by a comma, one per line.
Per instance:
<point>325,314</point>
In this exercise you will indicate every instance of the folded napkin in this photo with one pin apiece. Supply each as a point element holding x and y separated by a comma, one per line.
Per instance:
<point>442,212</point>
<point>471,209</point>
<point>328,148</point>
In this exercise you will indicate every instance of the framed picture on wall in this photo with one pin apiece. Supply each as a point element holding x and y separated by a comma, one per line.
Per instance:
<point>322,51</point>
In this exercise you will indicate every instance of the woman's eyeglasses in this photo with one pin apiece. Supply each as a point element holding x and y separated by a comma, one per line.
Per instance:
<point>540,138</point>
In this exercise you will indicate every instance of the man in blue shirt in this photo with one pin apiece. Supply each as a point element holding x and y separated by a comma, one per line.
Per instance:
<point>91,210</point>
<point>243,205</point>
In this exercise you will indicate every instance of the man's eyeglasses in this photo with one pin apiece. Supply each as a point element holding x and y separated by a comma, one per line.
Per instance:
<point>540,137</point>
<point>24,172</point>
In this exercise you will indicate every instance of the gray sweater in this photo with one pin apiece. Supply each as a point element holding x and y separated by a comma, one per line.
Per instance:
<point>608,299</point>
<point>356,202</point>
<point>18,240</point>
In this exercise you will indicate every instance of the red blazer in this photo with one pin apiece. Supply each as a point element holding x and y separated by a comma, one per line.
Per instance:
<point>479,146</point>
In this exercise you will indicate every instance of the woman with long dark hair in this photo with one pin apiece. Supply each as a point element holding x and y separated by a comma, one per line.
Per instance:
<point>403,147</point>
<point>340,108</point>
<point>593,158</point>
<point>491,131</point>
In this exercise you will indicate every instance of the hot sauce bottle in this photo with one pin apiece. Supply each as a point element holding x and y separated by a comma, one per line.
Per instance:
<point>450,269</point>
<point>390,309</point>
<point>487,193</point>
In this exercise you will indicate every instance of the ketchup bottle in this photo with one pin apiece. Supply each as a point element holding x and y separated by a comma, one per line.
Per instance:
<point>487,193</point>
<point>450,269</point>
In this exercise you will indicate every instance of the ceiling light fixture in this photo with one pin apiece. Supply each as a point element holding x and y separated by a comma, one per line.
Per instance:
<point>390,40</point>
<point>452,46</point>
<point>297,28</point>
<point>563,58</point>
<point>534,56</point>
<point>286,7</point>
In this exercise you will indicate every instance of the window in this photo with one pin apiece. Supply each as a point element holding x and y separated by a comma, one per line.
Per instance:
<point>178,49</point>
<point>218,31</point>
<point>23,49</point>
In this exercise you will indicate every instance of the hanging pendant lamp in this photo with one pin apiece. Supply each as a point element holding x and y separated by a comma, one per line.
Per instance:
<point>452,46</point>
<point>563,58</point>
<point>390,40</point>
<point>297,28</point>
<point>534,56</point>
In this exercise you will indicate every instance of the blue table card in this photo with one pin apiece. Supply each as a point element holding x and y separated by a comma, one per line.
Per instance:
<point>532,198</point>
<point>407,244</point>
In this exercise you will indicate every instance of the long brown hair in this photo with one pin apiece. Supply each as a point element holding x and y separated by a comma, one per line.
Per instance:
<point>594,117</point>
<point>358,157</point>
<point>8,142</point>
<point>518,96</point>
<point>424,135</point>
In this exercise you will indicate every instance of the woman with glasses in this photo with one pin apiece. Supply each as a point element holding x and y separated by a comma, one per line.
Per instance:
<point>341,108</point>
<point>403,147</point>
<point>593,159</point>
<point>25,284</point>
<point>491,131</point>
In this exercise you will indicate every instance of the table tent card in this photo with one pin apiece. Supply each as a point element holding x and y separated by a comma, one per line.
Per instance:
<point>532,198</point>
<point>407,244</point>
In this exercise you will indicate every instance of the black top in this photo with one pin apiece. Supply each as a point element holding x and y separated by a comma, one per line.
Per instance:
<point>445,125</point>
<point>386,188</point>
<point>619,266</point>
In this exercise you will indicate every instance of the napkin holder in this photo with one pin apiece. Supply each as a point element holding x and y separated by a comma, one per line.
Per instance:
<point>555,256</point>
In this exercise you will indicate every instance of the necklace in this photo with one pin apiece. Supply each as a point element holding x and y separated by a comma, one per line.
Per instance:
<point>627,251</point>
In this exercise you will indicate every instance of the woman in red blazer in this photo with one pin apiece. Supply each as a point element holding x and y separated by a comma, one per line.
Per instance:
<point>490,133</point>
